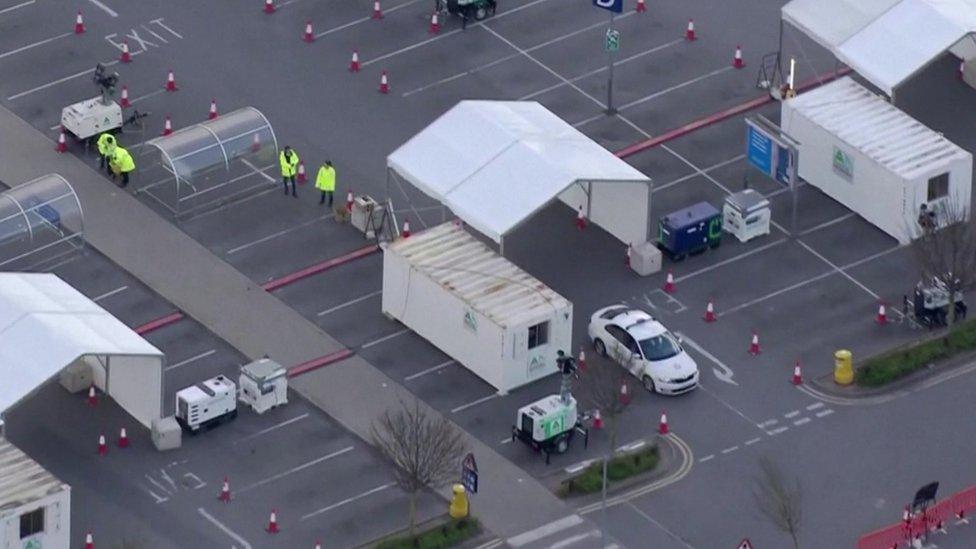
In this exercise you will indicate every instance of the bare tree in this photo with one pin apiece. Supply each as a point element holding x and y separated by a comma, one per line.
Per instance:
<point>600,383</point>
<point>948,253</point>
<point>425,448</point>
<point>778,498</point>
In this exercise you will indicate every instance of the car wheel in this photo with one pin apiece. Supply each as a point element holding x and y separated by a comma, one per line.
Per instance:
<point>599,347</point>
<point>648,384</point>
<point>480,13</point>
<point>562,444</point>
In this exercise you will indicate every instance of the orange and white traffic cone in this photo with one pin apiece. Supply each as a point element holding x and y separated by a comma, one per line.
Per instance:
<point>301,176</point>
<point>126,56</point>
<point>269,7</point>
<point>124,98</point>
<point>624,394</point>
<point>690,31</point>
<point>581,361</point>
<point>213,110</point>
<point>89,541</point>
<point>273,522</point>
<point>170,81</point>
<point>630,251</point>
<point>962,70</point>
<point>435,25</point>
<point>405,233</point>
<point>641,7</point>
<point>92,396</point>
<point>669,283</point>
<point>882,317</point>
<point>737,61</point>
<point>349,200</point>
<point>309,36</point>
<point>710,313</point>
<point>377,11</point>
<point>754,345</point>
<point>167,126</point>
<point>62,145</point>
<point>225,491</point>
<point>102,447</point>
<point>318,545</point>
<point>797,374</point>
<point>384,83</point>
<point>354,64</point>
<point>255,143</point>
<point>79,23</point>
<point>123,439</point>
<point>662,427</point>
<point>597,420</point>
<point>580,219</point>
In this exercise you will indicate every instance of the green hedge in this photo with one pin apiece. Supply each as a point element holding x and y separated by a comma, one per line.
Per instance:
<point>590,480</point>
<point>896,364</point>
<point>439,537</point>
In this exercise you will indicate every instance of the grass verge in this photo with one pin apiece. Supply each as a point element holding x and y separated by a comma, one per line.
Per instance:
<point>590,480</point>
<point>445,535</point>
<point>885,368</point>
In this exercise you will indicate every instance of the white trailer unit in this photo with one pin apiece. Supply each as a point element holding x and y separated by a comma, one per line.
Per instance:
<point>476,306</point>
<point>875,159</point>
<point>35,507</point>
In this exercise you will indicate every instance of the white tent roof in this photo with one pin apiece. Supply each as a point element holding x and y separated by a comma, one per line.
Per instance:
<point>886,41</point>
<point>45,324</point>
<point>495,163</point>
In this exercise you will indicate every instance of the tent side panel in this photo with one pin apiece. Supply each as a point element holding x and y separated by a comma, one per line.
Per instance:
<point>136,383</point>
<point>435,314</point>
<point>619,208</point>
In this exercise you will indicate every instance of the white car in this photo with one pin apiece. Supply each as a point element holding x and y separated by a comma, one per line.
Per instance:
<point>645,348</point>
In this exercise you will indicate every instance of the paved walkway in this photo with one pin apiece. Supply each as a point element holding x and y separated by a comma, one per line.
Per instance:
<point>255,322</point>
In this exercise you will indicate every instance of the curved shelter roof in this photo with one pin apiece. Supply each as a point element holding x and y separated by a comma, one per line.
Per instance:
<point>496,163</point>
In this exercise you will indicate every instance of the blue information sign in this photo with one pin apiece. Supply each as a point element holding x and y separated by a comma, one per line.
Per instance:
<point>469,474</point>
<point>759,149</point>
<point>770,151</point>
<point>616,6</point>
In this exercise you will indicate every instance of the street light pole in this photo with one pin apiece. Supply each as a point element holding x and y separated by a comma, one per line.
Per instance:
<point>610,109</point>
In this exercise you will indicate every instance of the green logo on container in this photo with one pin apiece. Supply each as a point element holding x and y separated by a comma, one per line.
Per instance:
<point>843,163</point>
<point>470,321</point>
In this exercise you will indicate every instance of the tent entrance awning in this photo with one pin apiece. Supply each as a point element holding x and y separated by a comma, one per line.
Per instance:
<point>887,41</point>
<point>496,163</point>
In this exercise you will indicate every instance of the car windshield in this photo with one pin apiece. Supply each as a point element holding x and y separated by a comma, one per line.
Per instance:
<point>660,347</point>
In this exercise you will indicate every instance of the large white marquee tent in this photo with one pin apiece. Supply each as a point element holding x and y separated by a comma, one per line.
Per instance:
<point>496,163</point>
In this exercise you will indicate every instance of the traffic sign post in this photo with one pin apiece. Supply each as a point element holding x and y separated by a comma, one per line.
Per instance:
<point>469,474</point>
<point>612,44</point>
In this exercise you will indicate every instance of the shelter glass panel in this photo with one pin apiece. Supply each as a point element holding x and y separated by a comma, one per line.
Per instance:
<point>41,222</point>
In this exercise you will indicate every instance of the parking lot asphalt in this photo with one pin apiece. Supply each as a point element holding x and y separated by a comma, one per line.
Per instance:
<point>806,291</point>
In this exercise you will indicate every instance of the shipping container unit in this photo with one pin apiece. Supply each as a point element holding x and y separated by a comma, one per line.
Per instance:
<point>875,159</point>
<point>35,507</point>
<point>476,306</point>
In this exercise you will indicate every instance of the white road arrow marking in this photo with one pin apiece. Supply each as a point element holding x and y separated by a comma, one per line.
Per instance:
<point>721,371</point>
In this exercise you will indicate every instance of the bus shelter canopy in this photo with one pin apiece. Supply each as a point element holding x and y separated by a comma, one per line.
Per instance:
<point>497,163</point>
<point>40,220</point>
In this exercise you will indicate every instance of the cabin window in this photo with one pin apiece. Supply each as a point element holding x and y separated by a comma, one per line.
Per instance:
<point>938,187</point>
<point>32,523</point>
<point>538,334</point>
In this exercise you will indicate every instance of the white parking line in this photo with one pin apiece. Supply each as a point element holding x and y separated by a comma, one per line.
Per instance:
<point>693,175</point>
<point>632,446</point>
<point>730,450</point>
<point>439,367</point>
<point>814,406</point>
<point>791,415</point>
<point>85,72</point>
<point>348,500</point>
<point>259,171</point>
<point>294,470</point>
<point>545,530</point>
<point>578,466</point>
<point>709,457</point>
<point>767,423</point>
<point>192,359</point>
<point>801,421</point>
<point>753,441</point>
<point>733,259</point>
<point>148,95</point>
<point>506,440</point>
<point>272,428</point>
<point>826,224</point>
<point>474,403</point>
<point>234,535</point>
<point>777,431</point>
<point>107,295</point>
<point>838,269</point>
<point>35,44</point>
<point>17,6</point>
<point>350,302</point>
<point>384,338</point>
<point>104,8</point>
<point>825,413</point>
<point>272,236</point>
<point>365,19</point>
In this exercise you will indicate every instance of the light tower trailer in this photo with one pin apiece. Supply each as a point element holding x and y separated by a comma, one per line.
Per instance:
<point>549,424</point>
<point>206,404</point>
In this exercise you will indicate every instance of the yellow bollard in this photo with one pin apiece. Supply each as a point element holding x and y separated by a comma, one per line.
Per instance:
<point>843,367</point>
<point>459,503</point>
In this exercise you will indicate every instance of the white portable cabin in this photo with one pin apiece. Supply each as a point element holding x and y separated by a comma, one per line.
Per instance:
<point>875,159</point>
<point>35,507</point>
<point>476,306</point>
